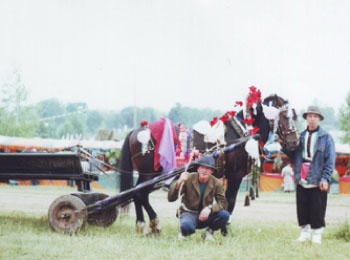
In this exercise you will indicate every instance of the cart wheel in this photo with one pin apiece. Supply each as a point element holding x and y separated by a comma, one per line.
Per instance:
<point>67,214</point>
<point>104,218</point>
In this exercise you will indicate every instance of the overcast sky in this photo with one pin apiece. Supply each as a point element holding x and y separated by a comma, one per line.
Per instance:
<point>200,53</point>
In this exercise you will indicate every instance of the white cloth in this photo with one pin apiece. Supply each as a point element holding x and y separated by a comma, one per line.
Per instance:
<point>167,148</point>
<point>212,134</point>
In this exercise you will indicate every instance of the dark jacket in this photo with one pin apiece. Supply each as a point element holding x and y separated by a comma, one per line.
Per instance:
<point>191,198</point>
<point>323,162</point>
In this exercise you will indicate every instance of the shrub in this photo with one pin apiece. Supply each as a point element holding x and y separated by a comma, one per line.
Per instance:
<point>343,232</point>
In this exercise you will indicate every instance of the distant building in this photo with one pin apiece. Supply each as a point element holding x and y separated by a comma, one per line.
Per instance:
<point>106,135</point>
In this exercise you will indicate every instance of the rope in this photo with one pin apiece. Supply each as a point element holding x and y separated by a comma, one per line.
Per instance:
<point>108,165</point>
<point>180,190</point>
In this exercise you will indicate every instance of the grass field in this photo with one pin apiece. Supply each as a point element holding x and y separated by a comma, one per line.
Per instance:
<point>27,235</point>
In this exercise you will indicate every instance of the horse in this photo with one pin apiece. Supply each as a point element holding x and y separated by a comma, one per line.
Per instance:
<point>237,162</point>
<point>132,155</point>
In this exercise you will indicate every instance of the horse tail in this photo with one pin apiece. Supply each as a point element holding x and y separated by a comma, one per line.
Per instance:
<point>126,167</point>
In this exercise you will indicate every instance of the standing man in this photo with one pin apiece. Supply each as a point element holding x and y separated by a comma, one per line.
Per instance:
<point>198,191</point>
<point>314,162</point>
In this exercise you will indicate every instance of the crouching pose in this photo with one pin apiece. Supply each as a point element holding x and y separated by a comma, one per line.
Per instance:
<point>199,190</point>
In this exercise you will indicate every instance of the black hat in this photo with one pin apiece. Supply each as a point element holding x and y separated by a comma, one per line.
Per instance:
<point>206,161</point>
<point>313,110</point>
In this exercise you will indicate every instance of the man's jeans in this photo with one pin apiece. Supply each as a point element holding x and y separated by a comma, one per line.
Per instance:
<point>189,221</point>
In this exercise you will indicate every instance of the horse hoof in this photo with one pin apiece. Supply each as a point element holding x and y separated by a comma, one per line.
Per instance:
<point>155,226</point>
<point>141,227</point>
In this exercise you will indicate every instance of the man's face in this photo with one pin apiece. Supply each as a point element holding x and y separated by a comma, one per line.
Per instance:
<point>313,120</point>
<point>204,173</point>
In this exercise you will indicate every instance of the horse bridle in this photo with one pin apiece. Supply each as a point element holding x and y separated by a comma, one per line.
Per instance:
<point>281,131</point>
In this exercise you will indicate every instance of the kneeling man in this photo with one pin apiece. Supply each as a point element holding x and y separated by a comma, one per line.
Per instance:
<point>198,209</point>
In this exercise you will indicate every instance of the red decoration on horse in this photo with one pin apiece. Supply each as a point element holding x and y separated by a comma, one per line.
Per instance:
<point>144,123</point>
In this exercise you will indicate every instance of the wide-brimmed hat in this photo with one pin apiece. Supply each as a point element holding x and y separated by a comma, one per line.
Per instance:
<point>206,161</point>
<point>313,110</point>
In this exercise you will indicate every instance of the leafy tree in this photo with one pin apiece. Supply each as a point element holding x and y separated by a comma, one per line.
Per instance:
<point>147,113</point>
<point>52,113</point>
<point>74,126</point>
<point>75,120</point>
<point>112,120</point>
<point>93,121</point>
<point>76,107</point>
<point>330,121</point>
<point>189,116</point>
<point>18,119</point>
<point>345,119</point>
<point>127,116</point>
<point>176,114</point>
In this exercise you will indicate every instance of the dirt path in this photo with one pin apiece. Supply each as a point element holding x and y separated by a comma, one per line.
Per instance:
<point>269,207</point>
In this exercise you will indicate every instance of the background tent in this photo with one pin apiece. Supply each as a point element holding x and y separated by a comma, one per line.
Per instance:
<point>52,145</point>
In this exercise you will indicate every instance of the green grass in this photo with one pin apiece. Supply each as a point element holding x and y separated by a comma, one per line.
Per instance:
<point>343,232</point>
<point>24,236</point>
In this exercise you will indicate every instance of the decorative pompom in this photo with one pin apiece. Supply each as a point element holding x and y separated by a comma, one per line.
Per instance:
<point>144,123</point>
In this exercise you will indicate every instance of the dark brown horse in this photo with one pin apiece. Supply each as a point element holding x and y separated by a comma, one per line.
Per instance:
<point>131,157</point>
<point>237,162</point>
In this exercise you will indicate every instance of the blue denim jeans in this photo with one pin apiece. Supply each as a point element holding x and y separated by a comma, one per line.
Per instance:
<point>189,221</point>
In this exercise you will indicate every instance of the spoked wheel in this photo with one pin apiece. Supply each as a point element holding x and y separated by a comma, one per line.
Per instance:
<point>67,214</point>
<point>104,218</point>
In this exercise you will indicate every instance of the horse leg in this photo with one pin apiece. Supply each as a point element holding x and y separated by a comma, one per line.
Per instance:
<point>231,193</point>
<point>154,220</point>
<point>140,221</point>
<point>231,196</point>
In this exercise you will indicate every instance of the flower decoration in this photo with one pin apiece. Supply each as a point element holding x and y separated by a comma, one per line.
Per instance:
<point>231,113</point>
<point>254,131</point>
<point>178,151</point>
<point>253,97</point>
<point>239,103</point>
<point>249,121</point>
<point>224,118</point>
<point>214,121</point>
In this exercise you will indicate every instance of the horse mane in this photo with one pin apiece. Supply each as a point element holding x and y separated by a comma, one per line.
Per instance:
<point>126,166</point>
<point>262,123</point>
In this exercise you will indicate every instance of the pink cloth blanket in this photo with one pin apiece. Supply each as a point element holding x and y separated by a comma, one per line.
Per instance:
<point>164,155</point>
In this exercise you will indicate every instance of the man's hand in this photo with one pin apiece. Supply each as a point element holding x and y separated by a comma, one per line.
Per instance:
<point>324,186</point>
<point>183,178</point>
<point>204,215</point>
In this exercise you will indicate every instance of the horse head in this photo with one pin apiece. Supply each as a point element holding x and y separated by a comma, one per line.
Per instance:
<point>282,120</point>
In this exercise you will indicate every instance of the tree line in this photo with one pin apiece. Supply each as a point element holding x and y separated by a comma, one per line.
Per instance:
<point>52,118</point>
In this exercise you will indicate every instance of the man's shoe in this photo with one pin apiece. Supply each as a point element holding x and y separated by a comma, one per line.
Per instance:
<point>317,236</point>
<point>208,235</point>
<point>181,237</point>
<point>305,234</point>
